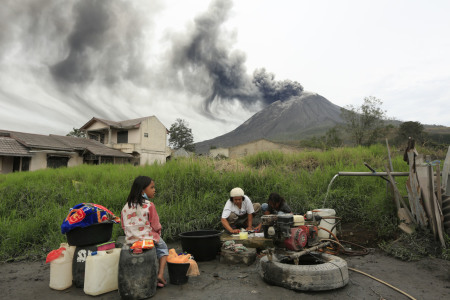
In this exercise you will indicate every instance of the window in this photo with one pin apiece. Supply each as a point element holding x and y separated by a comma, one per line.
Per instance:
<point>26,163</point>
<point>145,134</point>
<point>57,161</point>
<point>122,137</point>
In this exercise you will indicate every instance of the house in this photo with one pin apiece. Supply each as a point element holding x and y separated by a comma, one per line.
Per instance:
<point>144,138</point>
<point>253,147</point>
<point>20,151</point>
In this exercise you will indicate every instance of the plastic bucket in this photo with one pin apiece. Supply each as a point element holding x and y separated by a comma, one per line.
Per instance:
<point>93,234</point>
<point>202,244</point>
<point>177,272</point>
<point>326,223</point>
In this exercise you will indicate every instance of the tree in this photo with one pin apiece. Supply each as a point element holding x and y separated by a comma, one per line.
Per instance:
<point>365,124</point>
<point>181,135</point>
<point>77,133</point>
<point>333,138</point>
<point>412,129</point>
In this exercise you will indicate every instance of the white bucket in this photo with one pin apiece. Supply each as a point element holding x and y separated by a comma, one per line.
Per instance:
<point>101,274</point>
<point>61,269</point>
<point>325,223</point>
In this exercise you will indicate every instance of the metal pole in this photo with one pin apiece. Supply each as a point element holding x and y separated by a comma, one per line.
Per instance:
<point>372,174</point>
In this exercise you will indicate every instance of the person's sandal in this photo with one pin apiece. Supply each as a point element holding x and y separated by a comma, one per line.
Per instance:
<point>160,284</point>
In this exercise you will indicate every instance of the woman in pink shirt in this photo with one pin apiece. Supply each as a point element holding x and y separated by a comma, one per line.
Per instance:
<point>140,221</point>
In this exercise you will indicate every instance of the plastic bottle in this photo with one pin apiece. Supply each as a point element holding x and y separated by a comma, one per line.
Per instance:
<point>61,269</point>
<point>101,272</point>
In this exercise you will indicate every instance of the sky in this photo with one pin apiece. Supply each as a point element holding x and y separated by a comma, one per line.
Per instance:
<point>216,63</point>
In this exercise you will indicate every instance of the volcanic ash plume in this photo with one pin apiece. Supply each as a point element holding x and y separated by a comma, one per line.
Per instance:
<point>204,63</point>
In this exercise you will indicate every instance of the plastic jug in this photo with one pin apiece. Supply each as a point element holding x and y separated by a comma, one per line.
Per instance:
<point>79,263</point>
<point>137,273</point>
<point>101,272</point>
<point>326,223</point>
<point>61,269</point>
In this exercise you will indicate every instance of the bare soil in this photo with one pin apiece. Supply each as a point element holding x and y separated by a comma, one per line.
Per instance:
<point>428,278</point>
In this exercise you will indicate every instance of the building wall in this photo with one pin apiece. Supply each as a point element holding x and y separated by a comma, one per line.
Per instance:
<point>149,158</point>
<point>75,160</point>
<point>157,136</point>
<point>38,161</point>
<point>259,146</point>
<point>219,151</point>
<point>98,125</point>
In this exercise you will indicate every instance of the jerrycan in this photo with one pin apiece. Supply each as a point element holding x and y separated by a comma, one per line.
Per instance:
<point>138,273</point>
<point>61,269</point>
<point>79,263</point>
<point>101,272</point>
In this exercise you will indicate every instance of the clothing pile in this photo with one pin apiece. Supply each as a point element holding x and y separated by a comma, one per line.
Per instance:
<point>182,259</point>
<point>231,245</point>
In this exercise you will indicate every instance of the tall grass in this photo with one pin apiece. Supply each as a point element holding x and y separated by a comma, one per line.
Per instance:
<point>191,193</point>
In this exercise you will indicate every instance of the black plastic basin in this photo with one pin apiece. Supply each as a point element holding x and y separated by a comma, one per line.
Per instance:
<point>202,244</point>
<point>93,234</point>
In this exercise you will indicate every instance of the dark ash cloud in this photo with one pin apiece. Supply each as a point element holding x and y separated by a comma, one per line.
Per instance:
<point>204,63</point>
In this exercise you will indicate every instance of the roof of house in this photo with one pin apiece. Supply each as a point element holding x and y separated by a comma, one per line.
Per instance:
<point>40,141</point>
<point>134,123</point>
<point>92,146</point>
<point>10,147</point>
<point>21,143</point>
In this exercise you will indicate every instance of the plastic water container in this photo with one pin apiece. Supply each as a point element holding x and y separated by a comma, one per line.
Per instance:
<point>79,263</point>
<point>138,273</point>
<point>61,269</point>
<point>325,222</point>
<point>101,272</point>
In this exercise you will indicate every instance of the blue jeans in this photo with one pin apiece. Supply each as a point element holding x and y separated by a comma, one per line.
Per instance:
<point>161,248</point>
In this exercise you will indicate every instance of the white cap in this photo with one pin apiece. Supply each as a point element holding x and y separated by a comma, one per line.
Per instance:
<point>237,192</point>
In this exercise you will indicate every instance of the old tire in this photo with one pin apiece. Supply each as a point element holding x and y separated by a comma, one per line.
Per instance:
<point>331,274</point>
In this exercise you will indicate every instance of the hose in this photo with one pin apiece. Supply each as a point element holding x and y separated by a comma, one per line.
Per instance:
<point>383,282</point>
<point>365,251</point>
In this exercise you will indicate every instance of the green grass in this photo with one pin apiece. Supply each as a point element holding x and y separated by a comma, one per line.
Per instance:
<point>191,193</point>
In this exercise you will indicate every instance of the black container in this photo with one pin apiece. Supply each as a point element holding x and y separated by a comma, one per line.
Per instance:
<point>89,235</point>
<point>79,263</point>
<point>202,244</point>
<point>138,274</point>
<point>177,272</point>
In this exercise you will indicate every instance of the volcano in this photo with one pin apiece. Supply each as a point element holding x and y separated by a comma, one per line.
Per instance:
<point>296,118</point>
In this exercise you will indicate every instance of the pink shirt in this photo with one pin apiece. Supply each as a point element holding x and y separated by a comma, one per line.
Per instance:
<point>141,222</point>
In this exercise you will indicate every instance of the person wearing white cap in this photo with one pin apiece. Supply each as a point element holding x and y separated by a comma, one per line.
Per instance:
<point>239,212</point>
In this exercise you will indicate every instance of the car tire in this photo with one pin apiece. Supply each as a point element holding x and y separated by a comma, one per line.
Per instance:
<point>331,274</point>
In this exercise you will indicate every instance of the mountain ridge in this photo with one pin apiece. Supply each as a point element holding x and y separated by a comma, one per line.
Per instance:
<point>295,118</point>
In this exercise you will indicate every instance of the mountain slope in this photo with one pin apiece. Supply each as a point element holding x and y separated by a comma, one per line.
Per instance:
<point>295,118</point>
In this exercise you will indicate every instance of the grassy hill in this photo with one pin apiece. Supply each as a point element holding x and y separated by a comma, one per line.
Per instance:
<point>191,193</point>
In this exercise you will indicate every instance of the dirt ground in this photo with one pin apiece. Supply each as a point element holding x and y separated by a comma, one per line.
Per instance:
<point>428,278</point>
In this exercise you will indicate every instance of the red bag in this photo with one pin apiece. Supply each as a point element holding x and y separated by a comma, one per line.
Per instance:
<point>54,254</point>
